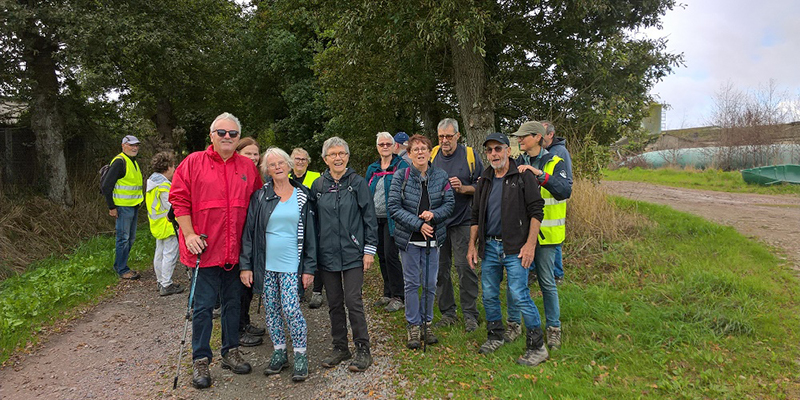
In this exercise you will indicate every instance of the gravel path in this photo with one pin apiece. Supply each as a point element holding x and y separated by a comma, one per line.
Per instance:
<point>126,347</point>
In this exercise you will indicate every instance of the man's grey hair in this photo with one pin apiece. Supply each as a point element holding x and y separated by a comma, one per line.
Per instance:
<point>550,128</point>
<point>229,117</point>
<point>334,142</point>
<point>274,151</point>
<point>448,122</point>
<point>302,151</point>
<point>384,135</point>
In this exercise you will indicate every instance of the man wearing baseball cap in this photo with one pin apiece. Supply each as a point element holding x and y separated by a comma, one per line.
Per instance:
<point>122,189</point>
<point>401,146</point>
<point>506,215</point>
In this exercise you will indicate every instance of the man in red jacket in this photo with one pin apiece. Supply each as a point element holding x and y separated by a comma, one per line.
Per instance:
<point>210,193</point>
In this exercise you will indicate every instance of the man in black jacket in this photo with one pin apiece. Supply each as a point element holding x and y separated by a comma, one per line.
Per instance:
<point>507,211</point>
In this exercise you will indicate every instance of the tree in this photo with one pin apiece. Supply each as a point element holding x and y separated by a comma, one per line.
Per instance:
<point>574,62</point>
<point>32,54</point>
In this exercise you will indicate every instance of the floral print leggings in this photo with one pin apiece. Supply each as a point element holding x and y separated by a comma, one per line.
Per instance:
<point>282,302</point>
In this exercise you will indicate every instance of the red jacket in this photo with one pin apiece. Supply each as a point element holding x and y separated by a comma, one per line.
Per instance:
<point>215,194</point>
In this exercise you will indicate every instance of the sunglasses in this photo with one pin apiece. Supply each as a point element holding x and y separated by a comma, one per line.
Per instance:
<point>222,132</point>
<point>448,137</point>
<point>495,149</point>
<point>385,144</point>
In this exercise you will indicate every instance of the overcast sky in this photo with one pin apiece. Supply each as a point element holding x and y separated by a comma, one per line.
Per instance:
<point>746,43</point>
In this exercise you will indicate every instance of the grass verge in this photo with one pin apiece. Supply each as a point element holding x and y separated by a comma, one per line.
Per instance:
<point>685,309</point>
<point>709,179</point>
<point>51,289</point>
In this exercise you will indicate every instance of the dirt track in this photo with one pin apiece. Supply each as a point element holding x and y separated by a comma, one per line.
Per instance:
<point>126,348</point>
<point>772,219</point>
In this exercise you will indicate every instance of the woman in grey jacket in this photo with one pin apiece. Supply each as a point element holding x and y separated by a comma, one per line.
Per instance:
<point>420,200</point>
<point>348,239</point>
<point>279,248</point>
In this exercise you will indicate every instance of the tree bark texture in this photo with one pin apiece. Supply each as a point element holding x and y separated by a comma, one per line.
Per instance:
<point>474,99</point>
<point>46,120</point>
<point>165,121</point>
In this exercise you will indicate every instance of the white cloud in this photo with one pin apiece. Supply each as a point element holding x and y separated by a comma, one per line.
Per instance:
<point>744,42</point>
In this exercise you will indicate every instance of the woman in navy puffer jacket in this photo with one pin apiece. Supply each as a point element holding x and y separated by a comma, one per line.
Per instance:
<point>420,200</point>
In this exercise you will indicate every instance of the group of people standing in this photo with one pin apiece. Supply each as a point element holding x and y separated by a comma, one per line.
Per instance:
<point>281,230</point>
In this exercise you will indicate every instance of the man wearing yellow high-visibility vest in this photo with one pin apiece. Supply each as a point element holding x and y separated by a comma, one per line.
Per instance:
<point>551,172</point>
<point>122,189</point>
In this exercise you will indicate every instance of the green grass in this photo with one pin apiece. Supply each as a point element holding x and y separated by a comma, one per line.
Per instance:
<point>52,288</point>
<point>688,310</point>
<point>709,179</point>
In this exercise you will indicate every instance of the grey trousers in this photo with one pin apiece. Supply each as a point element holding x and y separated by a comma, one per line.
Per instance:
<point>455,248</point>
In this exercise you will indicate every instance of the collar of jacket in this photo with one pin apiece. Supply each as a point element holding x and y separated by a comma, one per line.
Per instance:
<point>488,173</point>
<point>347,173</point>
<point>269,188</point>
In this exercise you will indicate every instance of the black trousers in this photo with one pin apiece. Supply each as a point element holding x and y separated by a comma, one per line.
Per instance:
<point>244,313</point>
<point>344,288</point>
<point>389,257</point>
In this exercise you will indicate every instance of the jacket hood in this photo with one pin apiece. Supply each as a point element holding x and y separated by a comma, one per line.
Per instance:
<point>349,171</point>
<point>558,141</point>
<point>155,180</point>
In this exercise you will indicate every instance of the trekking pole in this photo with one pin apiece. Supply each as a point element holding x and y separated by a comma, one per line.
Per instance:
<point>188,312</point>
<point>425,295</point>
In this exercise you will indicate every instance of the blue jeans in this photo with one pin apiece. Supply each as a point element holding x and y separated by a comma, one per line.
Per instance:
<point>494,261</point>
<point>413,274</point>
<point>543,262</point>
<point>558,264</point>
<point>126,234</point>
<point>214,283</point>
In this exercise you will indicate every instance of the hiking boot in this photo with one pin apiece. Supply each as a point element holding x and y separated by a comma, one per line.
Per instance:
<point>174,288</point>
<point>300,372</point>
<point>130,275</point>
<point>535,350</point>
<point>278,362</point>
<point>470,324</point>
<point>363,359</point>
<point>254,330</point>
<point>233,361</point>
<point>201,377</point>
<point>430,338</point>
<point>395,304</point>
<point>382,302</point>
<point>445,321</point>
<point>337,355</point>
<point>414,333</point>
<point>490,346</point>
<point>554,337</point>
<point>316,300</point>
<point>248,340</point>
<point>513,331</point>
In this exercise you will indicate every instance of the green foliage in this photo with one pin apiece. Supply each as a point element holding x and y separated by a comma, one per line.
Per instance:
<point>708,179</point>
<point>689,309</point>
<point>53,287</point>
<point>588,158</point>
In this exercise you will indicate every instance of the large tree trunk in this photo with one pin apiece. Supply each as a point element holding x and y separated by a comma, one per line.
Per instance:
<point>429,112</point>
<point>46,120</point>
<point>474,99</point>
<point>165,121</point>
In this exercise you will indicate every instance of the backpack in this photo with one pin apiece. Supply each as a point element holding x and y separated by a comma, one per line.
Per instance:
<point>470,158</point>
<point>103,172</point>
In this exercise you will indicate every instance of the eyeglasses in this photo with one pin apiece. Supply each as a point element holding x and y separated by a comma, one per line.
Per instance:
<point>496,149</point>
<point>300,159</point>
<point>448,137</point>
<point>340,154</point>
<point>384,145</point>
<point>420,149</point>
<point>277,164</point>
<point>222,132</point>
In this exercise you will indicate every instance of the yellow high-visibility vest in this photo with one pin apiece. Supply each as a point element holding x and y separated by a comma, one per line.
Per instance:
<point>160,226</point>
<point>128,190</point>
<point>554,224</point>
<point>310,177</point>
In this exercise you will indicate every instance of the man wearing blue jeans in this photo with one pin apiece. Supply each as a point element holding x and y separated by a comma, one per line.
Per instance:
<point>506,215</point>
<point>122,189</point>
<point>557,146</point>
